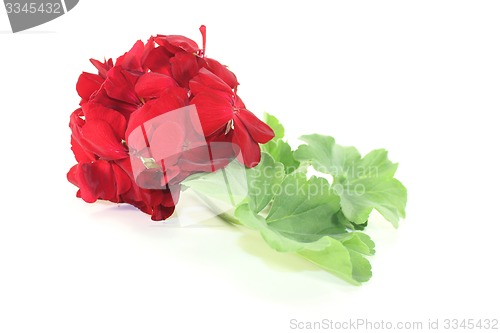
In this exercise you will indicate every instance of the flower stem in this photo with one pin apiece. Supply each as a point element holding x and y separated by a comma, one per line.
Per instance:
<point>228,218</point>
<point>213,207</point>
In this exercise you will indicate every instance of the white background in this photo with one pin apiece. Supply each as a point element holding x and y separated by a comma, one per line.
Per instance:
<point>420,78</point>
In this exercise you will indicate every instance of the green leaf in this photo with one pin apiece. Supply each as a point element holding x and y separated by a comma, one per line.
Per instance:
<point>361,267</point>
<point>359,245</point>
<point>326,156</point>
<point>304,209</point>
<point>264,182</point>
<point>360,196</point>
<point>326,252</point>
<point>336,259</point>
<point>273,122</point>
<point>363,184</point>
<point>342,220</point>
<point>274,238</point>
<point>377,163</point>
<point>282,152</point>
<point>278,148</point>
<point>358,242</point>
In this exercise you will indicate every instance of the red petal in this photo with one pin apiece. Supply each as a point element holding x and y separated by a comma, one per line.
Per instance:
<point>175,43</point>
<point>208,80</point>
<point>115,119</point>
<point>161,212</point>
<point>132,59</point>
<point>171,99</point>
<point>196,159</point>
<point>222,71</point>
<point>76,123</point>
<point>88,84</point>
<point>184,67</point>
<point>160,204</point>
<point>120,87</point>
<point>81,148</point>
<point>222,153</point>
<point>250,150</point>
<point>125,108</point>
<point>220,136</point>
<point>102,140</point>
<point>152,179</point>
<point>214,110</point>
<point>148,47</point>
<point>151,85</point>
<point>153,197</point>
<point>81,154</point>
<point>102,67</point>
<point>166,142</point>
<point>158,60</point>
<point>207,158</point>
<point>126,166</point>
<point>95,181</point>
<point>122,180</point>
<point>171,199</point>
<point>72,175</point>
<point>259,130</point>
<point>134,195</point>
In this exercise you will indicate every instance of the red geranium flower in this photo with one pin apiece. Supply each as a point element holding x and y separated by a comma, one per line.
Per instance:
<point>129,145</point>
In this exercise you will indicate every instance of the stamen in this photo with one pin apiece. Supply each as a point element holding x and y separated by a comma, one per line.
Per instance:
<point>229,126</point>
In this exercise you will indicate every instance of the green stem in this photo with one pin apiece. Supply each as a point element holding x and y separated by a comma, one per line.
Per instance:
<point>213,207</point>
<point>228,218</point>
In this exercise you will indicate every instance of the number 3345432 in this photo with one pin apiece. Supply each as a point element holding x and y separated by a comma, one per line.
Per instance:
<point>33,8</point>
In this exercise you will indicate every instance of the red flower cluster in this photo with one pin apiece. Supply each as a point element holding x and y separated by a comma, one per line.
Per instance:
<point>130,148</point>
